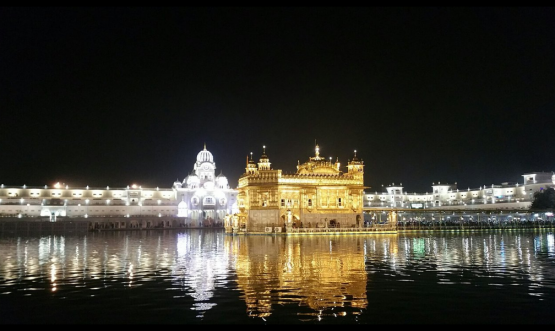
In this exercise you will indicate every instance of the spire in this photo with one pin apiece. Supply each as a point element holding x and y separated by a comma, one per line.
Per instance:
<point>204,145</point>
<point>355,159</point>
<point>264,163</point>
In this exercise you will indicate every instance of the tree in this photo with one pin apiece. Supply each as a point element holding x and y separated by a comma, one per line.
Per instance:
<point>544,199</point>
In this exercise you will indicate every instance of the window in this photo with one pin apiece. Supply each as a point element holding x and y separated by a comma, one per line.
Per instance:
<point>283,202</point>
<point>339,202</point>
<point>310,202</point>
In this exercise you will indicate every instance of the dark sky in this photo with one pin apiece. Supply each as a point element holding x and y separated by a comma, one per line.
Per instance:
<point>115,96</point>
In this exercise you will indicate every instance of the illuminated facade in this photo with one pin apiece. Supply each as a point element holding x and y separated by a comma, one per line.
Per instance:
<point>201,199</point>
<point>204,198</point>
<point>318,195</point>
<point>448,196</point>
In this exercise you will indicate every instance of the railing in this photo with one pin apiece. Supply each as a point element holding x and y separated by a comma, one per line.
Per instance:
<point>375,228</point>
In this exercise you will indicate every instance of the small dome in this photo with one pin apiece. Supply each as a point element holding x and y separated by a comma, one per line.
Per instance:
<point>222,181</point>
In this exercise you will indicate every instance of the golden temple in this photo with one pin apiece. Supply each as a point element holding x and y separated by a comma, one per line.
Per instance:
<point>318,196</point>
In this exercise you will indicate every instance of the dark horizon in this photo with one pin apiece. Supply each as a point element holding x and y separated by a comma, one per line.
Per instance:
<point>116,96</point>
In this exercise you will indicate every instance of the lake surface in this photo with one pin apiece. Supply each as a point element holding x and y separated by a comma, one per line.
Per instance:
<point>204,276</point>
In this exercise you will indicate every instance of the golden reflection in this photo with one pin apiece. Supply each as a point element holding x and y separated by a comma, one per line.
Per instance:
<point>323,273</point>
<point>53,274</point>
<point>130,272</point>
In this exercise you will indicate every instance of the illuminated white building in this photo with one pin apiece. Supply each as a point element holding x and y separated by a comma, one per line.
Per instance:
<point>448,196</point>
<point>201,199</point>
<point>204,198</point>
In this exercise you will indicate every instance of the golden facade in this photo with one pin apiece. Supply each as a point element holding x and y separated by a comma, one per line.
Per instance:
<point>318,195</point>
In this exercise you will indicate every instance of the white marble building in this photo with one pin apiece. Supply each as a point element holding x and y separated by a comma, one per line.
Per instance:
<point>449,196</point>
<point>201,199</point>
<point>205,198</point>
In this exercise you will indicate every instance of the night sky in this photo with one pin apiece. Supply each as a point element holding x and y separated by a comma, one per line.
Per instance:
<point>116,96</point>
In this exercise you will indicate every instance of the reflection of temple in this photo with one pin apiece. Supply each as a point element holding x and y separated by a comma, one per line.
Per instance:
<point>315,272</point>
<point>318,195</point>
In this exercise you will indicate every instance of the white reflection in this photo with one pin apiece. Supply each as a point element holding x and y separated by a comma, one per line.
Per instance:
<point>198,266</point>
<point>550,243</point>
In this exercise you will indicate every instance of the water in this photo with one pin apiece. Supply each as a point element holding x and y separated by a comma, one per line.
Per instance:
<point>208,277</point>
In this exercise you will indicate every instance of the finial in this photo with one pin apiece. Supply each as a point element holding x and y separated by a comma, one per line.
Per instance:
<point>264,147</point>
<point>205,146</point>
<point>355,153</point>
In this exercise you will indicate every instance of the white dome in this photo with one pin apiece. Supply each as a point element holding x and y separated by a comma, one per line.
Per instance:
<point>205,156</point>
<point>222,181</point>
<point>192,179</point>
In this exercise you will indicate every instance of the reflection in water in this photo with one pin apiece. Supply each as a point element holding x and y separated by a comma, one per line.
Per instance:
<point>206,276</point>
<point>199,267</point>
<point>324,273</point>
